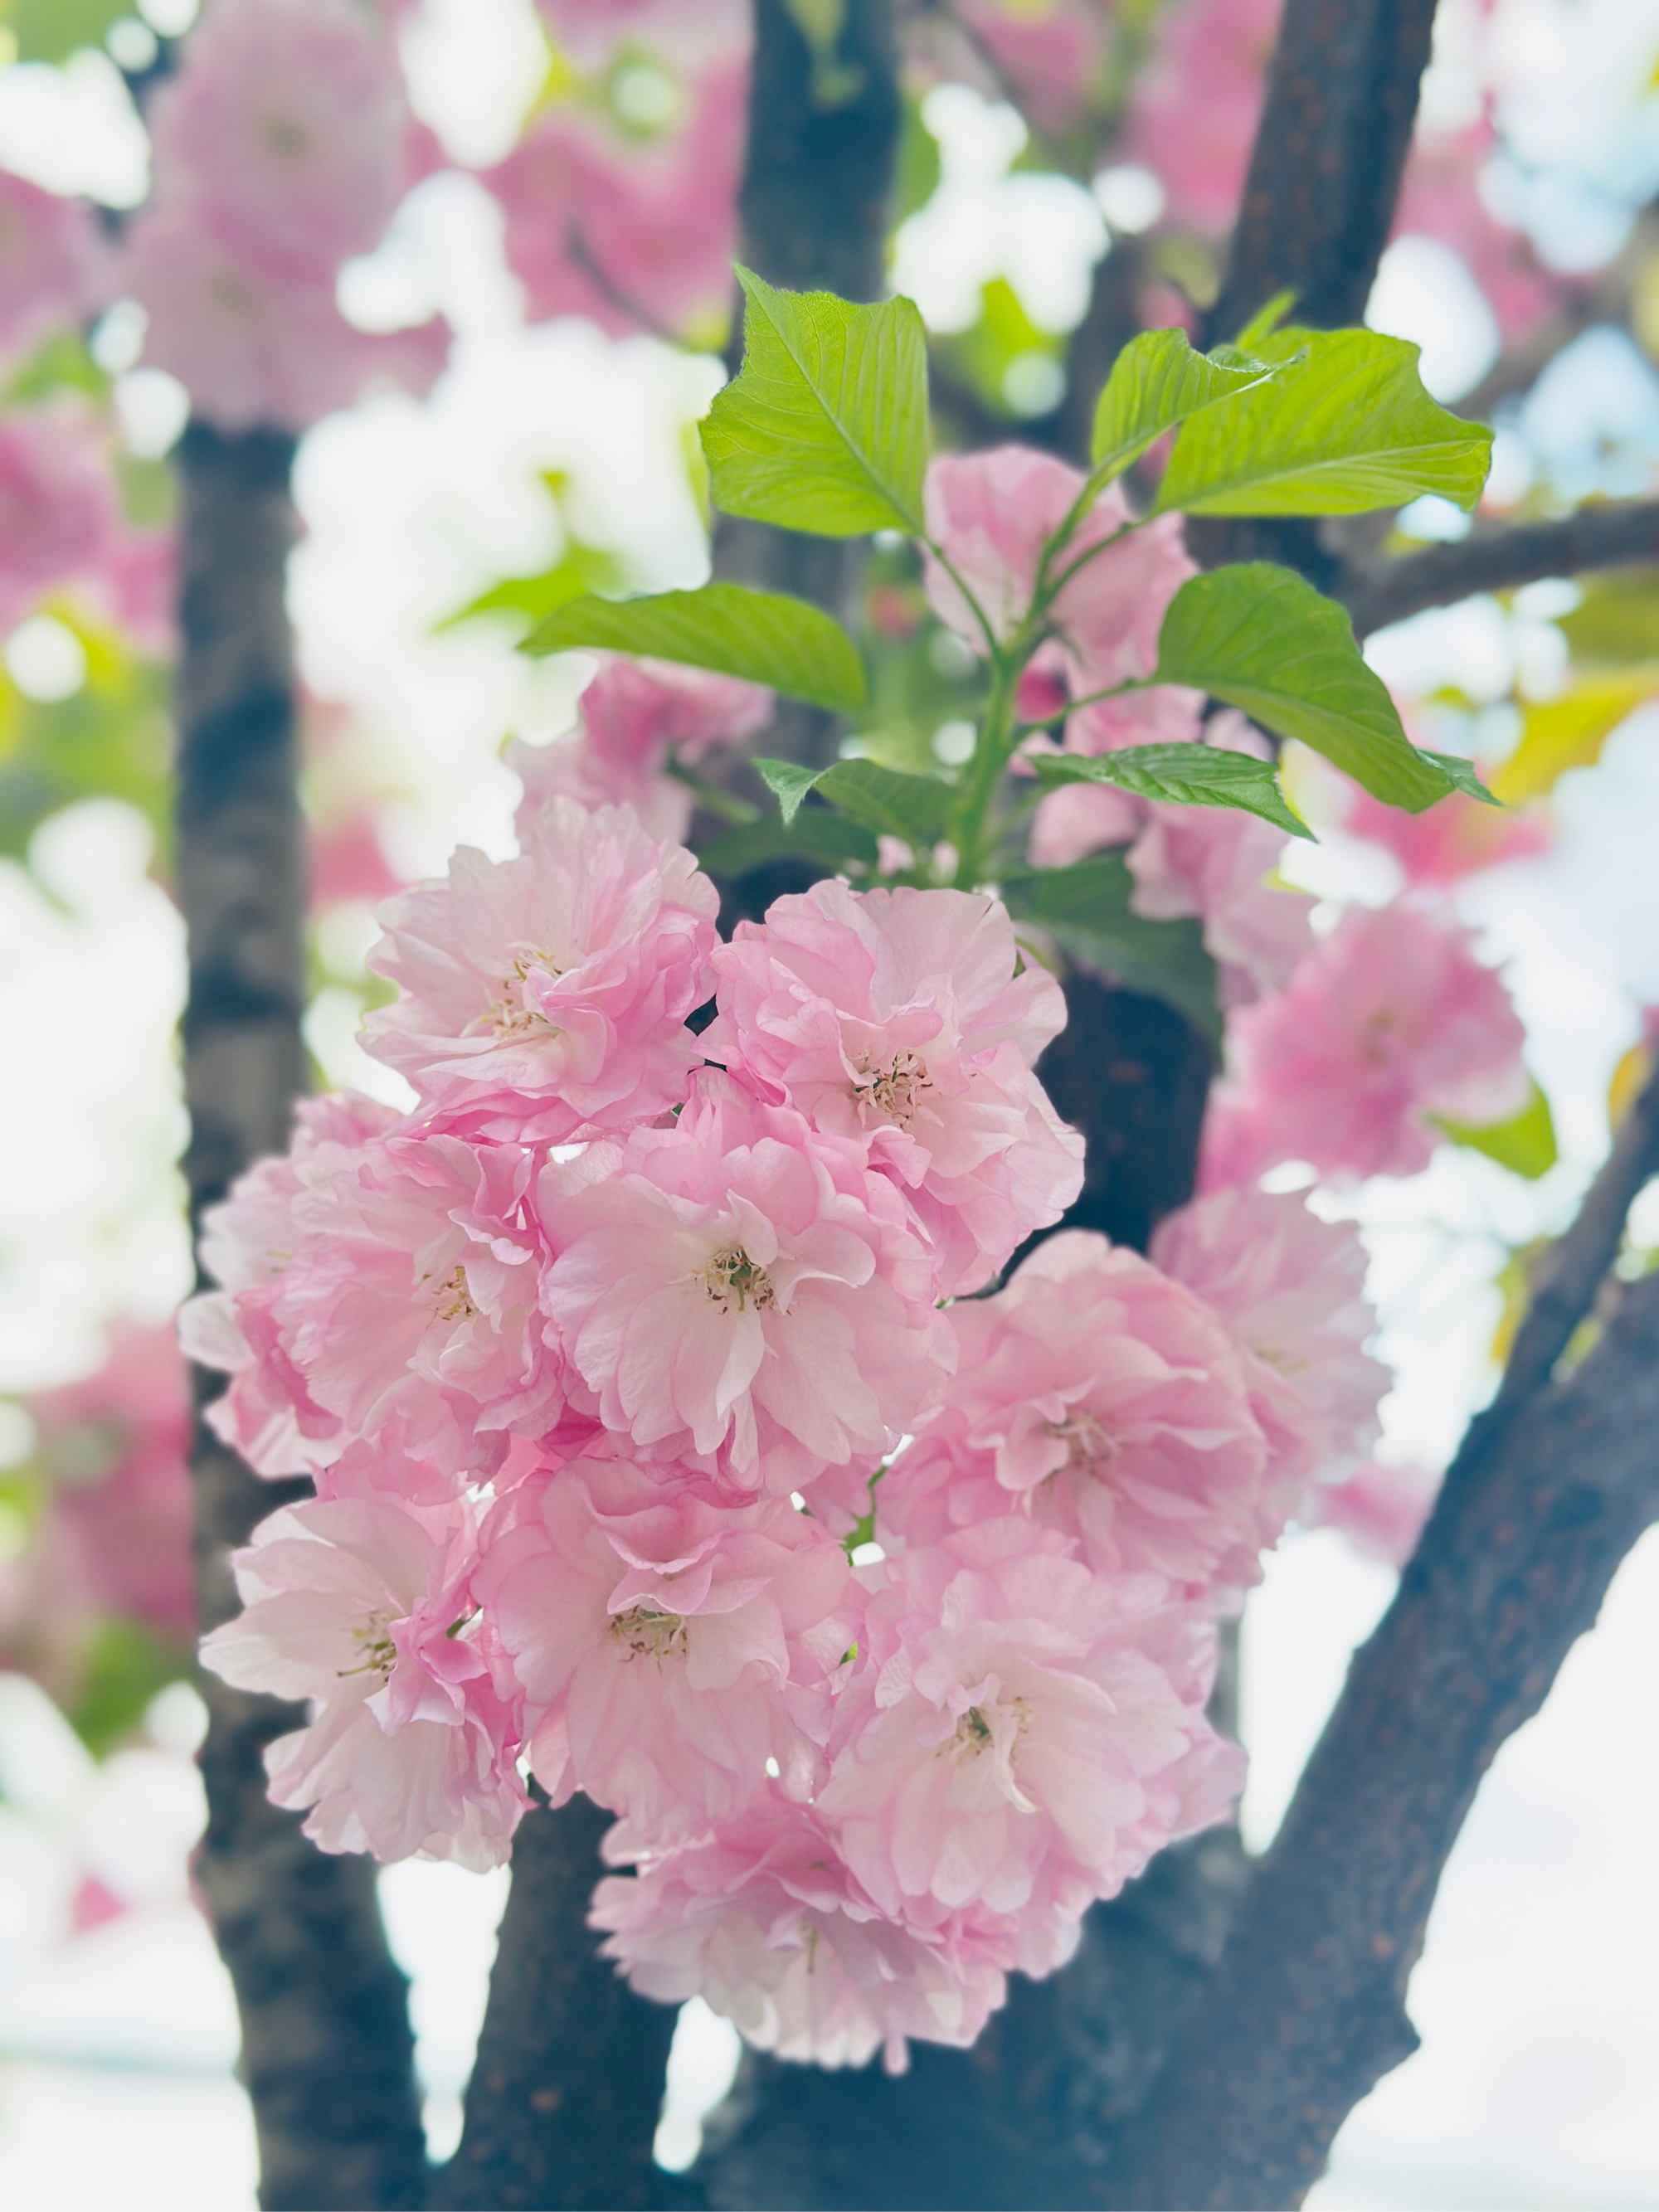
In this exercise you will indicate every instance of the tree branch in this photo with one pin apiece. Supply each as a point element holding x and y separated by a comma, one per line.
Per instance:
<point>1495,560</point>
<point>327,2051</point>
<point>1552,1486</point>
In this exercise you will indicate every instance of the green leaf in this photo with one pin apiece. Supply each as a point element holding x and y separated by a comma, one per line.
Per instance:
<point>764,636</point>
<point>884,800</point>
<point>1157,382</point>
<point>826,841</point>
<point>1525,1144</point>
<point>1187,776</point>
<point>1617,621</point>
<point>1462,775</point>
<point>1266,641</point>
<point>1345,427</point>
<point>52,30</point>
<point>581,570</point>
<point>125,1664</point>
<point>1569,732</point>
<point>1265,322</point>
<point>825,427</point>
<point>1086,909</point>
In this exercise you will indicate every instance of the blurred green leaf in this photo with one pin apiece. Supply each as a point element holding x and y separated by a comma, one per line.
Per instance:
<point>1086,909</point>
<point>1524,1144</point>
<point>1569,732</point>
<point>1262,639</point>
<point>817,834</point>
<point>825,429</point>
<point>1346,426</point>
<point>765,637</point>
<point>52,30</point>
<point>125,1666</point>
<point>1186,775</point>
<point>1617,621</point>
<point>582,568</point>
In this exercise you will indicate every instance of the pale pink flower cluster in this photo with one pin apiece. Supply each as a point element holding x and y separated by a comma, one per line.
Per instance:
<point>635,230</point>
<point>1389,1022</point>
<point>52,263</point>
<point>282,148</point>
<point>598,1357</point>
<point>639,718</point>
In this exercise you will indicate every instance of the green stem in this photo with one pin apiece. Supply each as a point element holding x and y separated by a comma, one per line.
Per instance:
<point>991,756</point>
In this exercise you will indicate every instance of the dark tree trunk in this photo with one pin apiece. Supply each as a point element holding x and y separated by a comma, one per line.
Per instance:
<point>327,2051</point>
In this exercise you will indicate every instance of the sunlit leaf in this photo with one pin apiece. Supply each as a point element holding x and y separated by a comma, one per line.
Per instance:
<point>1570,732</point>
<point>1525,1143</point>
<point>765,637</point>
<point>1345,427</point>
<point>1617,621</point>
<point>1157,382</point>
<point>1187,776</point>
<point>1262,639</point>
<point>1085,911</point>
<point>825,427</point>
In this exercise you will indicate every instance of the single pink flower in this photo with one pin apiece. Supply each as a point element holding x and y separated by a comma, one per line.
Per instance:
<point>248,1241</point>
<point>1291,1289</point>
<point>993,513</point>
<point>1388,1020</point>
<point>634,236</point>
<point>1012,1727</point>
<point>364,1606</point>
<point>763,1921</point>
<point>52,261</point>
<point>546,996</point>
<point>741,1288</point>
<point>896,1020</point>
<point>58,506</point>
<point>635,716</point>
<point>665,1645</point>
<point>1104,1399</point>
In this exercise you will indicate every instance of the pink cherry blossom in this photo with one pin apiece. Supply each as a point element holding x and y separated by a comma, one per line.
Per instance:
<point>57,505</point>
<point>247,1241</point>
<point>1390,1019</point>
<point>1451,839</point>
<point>412,1296</point>
<point>51,263</point>
<point>1013,1726</point>
<point>897,1020</point>
<point>255,345</point>
<point>1291,1288</point>
<point>290,117</point>
<point>547,995</point>
<point>636,715</point>
<point>1193,110</point>
<point>1109,1402</point>
<point>1049,52</point>
<point>993,513</point>
<point>1440,197</point>
<point>763,1922</point>
<point>635,236</point>
<point>666,1644</point>
<point>1381,1510</point>
<point>363,1606</point>
<point>742,1288</point>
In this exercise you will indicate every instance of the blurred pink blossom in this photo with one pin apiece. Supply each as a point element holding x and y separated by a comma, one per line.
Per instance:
<point>1451,839</point>
<point>52,263</point>
<point>57,507</point>
<point>1381,1510</point>
<point>1193,110</point>
<point>1049,52</point>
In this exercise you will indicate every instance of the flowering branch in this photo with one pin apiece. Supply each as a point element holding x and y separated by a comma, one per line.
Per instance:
<point>325,2041</point>
<point>1551,1489</point>
<point>1496,560</point>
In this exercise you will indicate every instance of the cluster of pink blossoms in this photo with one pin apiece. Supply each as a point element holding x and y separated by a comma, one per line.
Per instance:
<point>603,1357</point>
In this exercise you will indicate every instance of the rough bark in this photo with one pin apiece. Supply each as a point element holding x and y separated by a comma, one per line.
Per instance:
<point>1496,560</point>
<point>1307,2010</point>
<point>327,2051</point>
<point>566,2093</point>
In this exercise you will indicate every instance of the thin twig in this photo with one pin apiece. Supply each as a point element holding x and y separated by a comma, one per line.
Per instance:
<point>1495,560</point>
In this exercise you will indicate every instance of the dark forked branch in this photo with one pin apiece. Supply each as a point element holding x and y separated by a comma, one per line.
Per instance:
<point>1552,1487</point>
<point>327,2051</point>
<point>1496,560</point>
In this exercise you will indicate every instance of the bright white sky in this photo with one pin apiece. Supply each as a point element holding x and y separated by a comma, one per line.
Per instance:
<point>1536,1994</point>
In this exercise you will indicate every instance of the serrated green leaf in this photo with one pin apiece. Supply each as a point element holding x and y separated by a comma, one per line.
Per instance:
<point>1185,775</point>
<point>1345,427</point>
<point>1262,639</point>
<point>1525,1144</point>
<point>886,801</point>
<point>825,429</point>
<point>1157,382</point>
<point>825,840</point>
<point>1461,773</point>
<point>1086,909</point>
<point>788,781</point>
<point>765,637</point>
